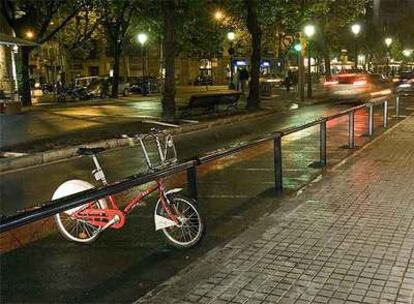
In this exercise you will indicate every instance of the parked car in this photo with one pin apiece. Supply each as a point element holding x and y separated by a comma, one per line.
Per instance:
<point>144,85</point>
<point>203,80</point>
<point>406,88</point>
<point>97,86</point>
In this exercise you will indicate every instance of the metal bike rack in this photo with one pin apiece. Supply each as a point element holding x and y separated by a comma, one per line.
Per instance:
<point>190,167</point>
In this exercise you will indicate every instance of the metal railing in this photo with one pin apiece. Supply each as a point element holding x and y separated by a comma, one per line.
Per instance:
<point>56,206</point>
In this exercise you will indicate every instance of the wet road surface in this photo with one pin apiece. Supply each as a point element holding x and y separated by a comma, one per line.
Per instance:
<point>123,265</point>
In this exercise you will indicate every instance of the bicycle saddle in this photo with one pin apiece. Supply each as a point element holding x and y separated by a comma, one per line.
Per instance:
<point>90,151</point>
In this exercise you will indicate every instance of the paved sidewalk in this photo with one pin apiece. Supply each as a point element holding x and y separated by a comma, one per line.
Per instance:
<point>348,238</point>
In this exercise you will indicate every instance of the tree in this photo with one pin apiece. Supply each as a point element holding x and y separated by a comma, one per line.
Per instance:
<point>169,12</point>
<point>253,100</point>
<point>36,17</point>
<point>115,17</point>
<point>81,31</point>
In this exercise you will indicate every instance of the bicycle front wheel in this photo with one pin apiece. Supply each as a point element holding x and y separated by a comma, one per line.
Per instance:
<point>190,230</point>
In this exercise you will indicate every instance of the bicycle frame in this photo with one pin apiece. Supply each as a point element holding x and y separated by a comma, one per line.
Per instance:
<point>114,217</point>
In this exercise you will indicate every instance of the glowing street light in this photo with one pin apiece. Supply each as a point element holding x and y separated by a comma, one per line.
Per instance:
<point>298,47</point>
<point>407,52</point>
<point>29,34</point>
<point>218,15</point>
<point>142,38</point>
<point>309,31</point>
<point>231,36</point>
<point>388,41</point>
<point>356,29</point>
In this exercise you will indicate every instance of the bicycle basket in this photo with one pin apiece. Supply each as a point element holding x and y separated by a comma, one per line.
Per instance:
<point>159,150</point>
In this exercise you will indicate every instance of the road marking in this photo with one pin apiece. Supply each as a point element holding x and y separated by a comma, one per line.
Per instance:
<point>161,123</point>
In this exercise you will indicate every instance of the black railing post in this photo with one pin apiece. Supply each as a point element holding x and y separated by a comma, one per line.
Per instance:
<point>323,143</point>
<point>385,113</point>
<point>192,181</point>
<point>351,130</point>
<point>277,152</point>
<point>371,119</point>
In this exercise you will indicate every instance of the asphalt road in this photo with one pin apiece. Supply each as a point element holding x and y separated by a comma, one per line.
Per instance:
<point>45,127</point>
<point>123,265</point>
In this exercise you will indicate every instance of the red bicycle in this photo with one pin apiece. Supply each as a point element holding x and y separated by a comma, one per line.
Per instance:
<point>176,215</point>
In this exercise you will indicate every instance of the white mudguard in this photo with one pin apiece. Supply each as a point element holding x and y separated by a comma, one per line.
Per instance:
<point>74,186</point>
<point>162,222</point>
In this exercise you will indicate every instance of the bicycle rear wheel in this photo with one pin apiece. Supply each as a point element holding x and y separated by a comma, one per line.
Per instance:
<point>72,229</point>
<point>191,226</point>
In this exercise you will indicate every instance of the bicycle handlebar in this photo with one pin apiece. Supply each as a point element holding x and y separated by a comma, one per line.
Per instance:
<point>153,132</point>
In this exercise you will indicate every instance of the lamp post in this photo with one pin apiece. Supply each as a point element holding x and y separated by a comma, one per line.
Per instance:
<point>356,28</point>
<point>231,36</point>
<point>388,42</point>
<point>298,48</point>
<point>309,31</point>
<point>142,38</point>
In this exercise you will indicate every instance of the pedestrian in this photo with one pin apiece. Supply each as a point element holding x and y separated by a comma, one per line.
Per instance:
<point>288,80</point>
<point>243,77</point>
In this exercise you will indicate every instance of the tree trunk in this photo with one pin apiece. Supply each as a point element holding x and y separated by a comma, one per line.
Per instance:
<point>25,84</point>
<point>253,100</point>
<point>115,76</point>
<point>327,60</point>
<point>170,51</point>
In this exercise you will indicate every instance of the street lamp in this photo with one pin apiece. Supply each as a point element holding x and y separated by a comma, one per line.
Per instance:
<point>356,29</point>
<point>298,48</point>
<point>407,52</point>
<point>142,39</point>
<point>231,36</point>
<point>309,31</point>
<point>29,34</point>
<point>388,42</point>
<point>218,15</point>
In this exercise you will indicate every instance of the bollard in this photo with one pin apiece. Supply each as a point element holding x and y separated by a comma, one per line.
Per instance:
<point>351,130</point>
<point>277,152</point>
<point>371,120</point>
<point>385,114</point>
<point>323,143</point>
<point>397,107</point>
<point>192,182</point>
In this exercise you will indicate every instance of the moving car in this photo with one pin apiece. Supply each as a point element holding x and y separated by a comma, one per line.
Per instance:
<point>349,76</point>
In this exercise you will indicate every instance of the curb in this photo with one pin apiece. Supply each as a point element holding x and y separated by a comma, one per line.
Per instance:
<point>24,161</point>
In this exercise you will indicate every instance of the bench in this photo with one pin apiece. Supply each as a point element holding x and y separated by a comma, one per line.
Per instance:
<point>211,102</point>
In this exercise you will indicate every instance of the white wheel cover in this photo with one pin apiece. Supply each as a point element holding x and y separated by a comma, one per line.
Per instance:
<point>71,187</point>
